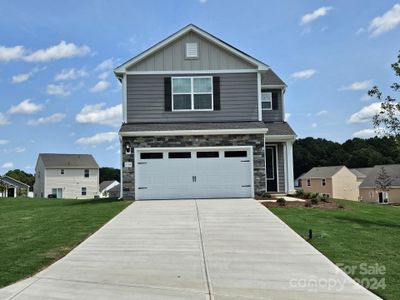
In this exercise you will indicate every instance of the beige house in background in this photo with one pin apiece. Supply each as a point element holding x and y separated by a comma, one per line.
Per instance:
<point>336,182</point>
<point>369,191</point>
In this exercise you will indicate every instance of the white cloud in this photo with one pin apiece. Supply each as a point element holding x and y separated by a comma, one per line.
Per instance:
<point>321,113</point>
<point>7,165</point>
<point>103,75</point>
<point>98,138</point>
<point>60,90</point>
<point>303,74</point>
<point>4,142</point>
<point>314,125</point>
<point>3,119</point>
<point>100,86</point>
<point>105,65</point>
<point>358,86</point>
<point>320,12</point>
<point>11,53</point>
<point>26,107</point>
<point>21,77</point>
<point>54,118</point>
<point>367,133</point>
<point>365,114</point>
<point>287,116</point>
<point>60,51</point>
<point>70,74</point>
<point>20,149</point>
<point>366,97</point>
<point>388,21</point>
<point>97,114</point>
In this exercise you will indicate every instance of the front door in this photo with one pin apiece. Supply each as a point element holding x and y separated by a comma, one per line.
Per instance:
<point>11,192</point>
<point>271,168</point>
<point>57,192</point>
<point>383,197</point>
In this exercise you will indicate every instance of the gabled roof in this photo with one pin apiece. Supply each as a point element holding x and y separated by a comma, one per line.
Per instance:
<point>322,172</point>
<point>106,184</point>
<point>392,170</point>
<point>121,69</point>
<point>269,78</point>
<point>14,182</point>
<point>58,160</point>
<point>361,172</point>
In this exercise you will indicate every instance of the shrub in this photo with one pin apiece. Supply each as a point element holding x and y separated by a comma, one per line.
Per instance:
<point>307,195</point>
<point>300,193</point>
<point>314,195</point>
<point>325,198</point>
<point>267,195</point>
<point>314,200</point>
<point>281,201</point>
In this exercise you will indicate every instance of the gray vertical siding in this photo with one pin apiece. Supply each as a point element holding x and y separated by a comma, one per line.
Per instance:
<point>281,168</point>
<point>273,115</point>
<point>239,100</point>
<point>173,57</point>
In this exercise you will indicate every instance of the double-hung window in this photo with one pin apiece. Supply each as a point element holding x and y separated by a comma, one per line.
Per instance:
<point>192,93</point>
<point>266,100</point>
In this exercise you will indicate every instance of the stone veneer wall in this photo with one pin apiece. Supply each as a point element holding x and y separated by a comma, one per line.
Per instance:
<point>255,140</point>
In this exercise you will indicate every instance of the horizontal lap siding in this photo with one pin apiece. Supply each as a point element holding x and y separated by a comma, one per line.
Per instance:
<point>145,100</point>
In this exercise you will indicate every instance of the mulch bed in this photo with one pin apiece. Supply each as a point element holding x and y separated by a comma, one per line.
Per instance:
<point>297,204</point>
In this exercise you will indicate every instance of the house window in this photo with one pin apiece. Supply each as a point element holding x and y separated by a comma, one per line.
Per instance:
<point>62,172</point>
<point>83,192</point>
<point>371,194</point>
<point>86,172</point>
<point>207,154</point>
<point>266,100</point>
<point>308,182</point>
<point>151,155</point>
<point>192,50</point>
<point>323,182</point>
<point>192,93</point>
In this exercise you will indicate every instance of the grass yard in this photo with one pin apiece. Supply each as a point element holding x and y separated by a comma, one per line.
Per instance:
<point>359,233</point>
<point>36,232</point>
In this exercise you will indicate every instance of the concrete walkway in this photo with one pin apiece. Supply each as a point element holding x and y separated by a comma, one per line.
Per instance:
<point>191,249</point>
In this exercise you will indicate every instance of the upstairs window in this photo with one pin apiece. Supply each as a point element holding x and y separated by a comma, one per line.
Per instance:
<point>192,93</point>
<point>192,50</point>
<point>266,100</point>
<point>86,172</point>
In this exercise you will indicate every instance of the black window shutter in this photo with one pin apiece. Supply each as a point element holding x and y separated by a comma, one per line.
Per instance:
<point>167,94</point>
<point>216,93</point>
<point>274,100</point>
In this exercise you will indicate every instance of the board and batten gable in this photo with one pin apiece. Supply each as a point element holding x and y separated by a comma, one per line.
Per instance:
<point>173,57</point>
<point>238,99</point>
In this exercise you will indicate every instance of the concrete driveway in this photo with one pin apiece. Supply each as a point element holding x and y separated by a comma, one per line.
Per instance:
<point>191,249</point>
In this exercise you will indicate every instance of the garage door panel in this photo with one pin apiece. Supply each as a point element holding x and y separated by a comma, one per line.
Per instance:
<point>206,177</point>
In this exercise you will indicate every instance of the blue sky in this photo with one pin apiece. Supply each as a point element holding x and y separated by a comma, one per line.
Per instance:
<point>58,93</point>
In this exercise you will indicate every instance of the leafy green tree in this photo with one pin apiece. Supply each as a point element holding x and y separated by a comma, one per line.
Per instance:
<point>22,176</point>
<point>387,121</point>
<point>109,174</point>
<point>384,181</point>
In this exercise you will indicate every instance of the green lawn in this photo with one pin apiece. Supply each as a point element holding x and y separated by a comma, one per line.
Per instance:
<point>36,232</point>
<point>360,233</point>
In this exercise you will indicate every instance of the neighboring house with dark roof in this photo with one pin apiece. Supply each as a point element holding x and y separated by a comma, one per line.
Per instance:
<point>115,192</point>
<point>73,176</point>
<point>106,186</point>
<point>9,187</point>
<point>336,182</point>
<point>202,119</point>
<point>370,192</point>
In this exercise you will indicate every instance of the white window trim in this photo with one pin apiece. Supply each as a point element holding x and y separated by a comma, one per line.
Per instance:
<point>322,181</point>
<point>192,93</point>
<point>308,182</point>
<point>270,101</point>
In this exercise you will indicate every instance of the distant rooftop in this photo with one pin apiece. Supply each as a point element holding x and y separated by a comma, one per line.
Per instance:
<point>58,160</point>
<point>322,172</point>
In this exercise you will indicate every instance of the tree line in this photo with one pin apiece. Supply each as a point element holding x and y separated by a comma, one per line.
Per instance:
<point>355,153</point>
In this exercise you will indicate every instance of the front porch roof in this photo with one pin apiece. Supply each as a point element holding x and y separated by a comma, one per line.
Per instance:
<point>207,128</point>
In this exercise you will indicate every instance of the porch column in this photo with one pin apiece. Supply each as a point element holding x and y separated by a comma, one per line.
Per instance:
<point>290,176</point>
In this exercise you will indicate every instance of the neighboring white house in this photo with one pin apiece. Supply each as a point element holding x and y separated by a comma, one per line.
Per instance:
<point>74,176</point>
<point>9,187</point>
<point>106,186</point>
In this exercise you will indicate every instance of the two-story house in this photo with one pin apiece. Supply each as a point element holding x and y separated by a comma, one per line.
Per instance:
<point>202,119</point>
<point>72,176</point>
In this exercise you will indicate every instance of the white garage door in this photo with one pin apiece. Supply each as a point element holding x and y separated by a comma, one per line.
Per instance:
<point>193,173</point>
